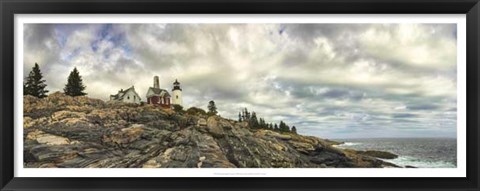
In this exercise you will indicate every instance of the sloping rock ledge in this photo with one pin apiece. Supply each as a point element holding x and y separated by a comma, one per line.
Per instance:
<point>80,132</point>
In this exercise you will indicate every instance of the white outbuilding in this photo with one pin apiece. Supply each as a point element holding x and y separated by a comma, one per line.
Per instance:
<point>127,96</point>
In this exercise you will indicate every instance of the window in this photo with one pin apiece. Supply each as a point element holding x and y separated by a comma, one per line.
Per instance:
<point>134,97</point>
<point>177,96</point>
<point>128,97</point>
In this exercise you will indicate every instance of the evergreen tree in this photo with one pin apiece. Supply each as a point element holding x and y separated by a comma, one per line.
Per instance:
<point>270,126</point>
<point>34,84</point>
<point>275,127</point>
<point>283,127</point>
<point>247,115</point>
<point>294,130</point>
<point>74,86</point>
<point>253,122</point>
<point>239,117</point>
<point>212,108</point>
<point>261,123</point>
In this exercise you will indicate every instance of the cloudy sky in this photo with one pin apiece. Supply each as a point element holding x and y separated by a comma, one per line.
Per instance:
<point>329,80</point>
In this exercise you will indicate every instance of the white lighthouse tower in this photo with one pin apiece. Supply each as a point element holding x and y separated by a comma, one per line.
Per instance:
<point>177,94</point>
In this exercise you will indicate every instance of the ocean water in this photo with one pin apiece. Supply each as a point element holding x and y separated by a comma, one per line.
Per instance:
<point>417,152</point>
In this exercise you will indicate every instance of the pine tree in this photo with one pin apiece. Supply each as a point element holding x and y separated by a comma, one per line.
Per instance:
<point>74,86</point>
<point>247,115</point>
<point>212,108</point>
<point>34,84</point>
<point>253,122</point>
<point>275,127</point>
<point>261,123</point>
<point>283,127</point>
<point>294,130</point>
<point>239,117</point>
<point>265,124</point>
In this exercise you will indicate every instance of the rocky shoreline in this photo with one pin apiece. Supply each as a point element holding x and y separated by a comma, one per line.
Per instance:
<point>81,132</point>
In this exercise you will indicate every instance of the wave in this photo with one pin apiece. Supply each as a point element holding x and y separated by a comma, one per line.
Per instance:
<point>349,144</point>
<point>419,163</point>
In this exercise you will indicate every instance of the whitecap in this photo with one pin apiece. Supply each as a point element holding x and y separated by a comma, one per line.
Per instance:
<point>419,163</point>
<point>347,144</point>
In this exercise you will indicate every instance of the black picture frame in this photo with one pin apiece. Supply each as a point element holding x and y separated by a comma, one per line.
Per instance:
<point>11,7</point>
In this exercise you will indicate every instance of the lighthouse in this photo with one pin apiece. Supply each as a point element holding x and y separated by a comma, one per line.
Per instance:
<point>177,93</point>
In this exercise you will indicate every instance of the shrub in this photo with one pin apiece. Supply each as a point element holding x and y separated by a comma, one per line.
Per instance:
<point>196,111</point>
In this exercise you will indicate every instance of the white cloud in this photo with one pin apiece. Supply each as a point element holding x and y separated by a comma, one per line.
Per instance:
<point>410,44</point>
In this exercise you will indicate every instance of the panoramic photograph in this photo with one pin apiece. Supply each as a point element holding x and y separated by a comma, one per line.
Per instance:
<point>252,95</point>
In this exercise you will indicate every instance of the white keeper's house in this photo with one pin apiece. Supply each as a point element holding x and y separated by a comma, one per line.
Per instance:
<point>127,96</point>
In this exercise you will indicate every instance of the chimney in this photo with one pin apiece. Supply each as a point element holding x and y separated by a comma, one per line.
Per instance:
<point>156,82</point>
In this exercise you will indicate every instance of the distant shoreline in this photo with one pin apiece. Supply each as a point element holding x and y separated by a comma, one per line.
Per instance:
<point>431,152</point>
